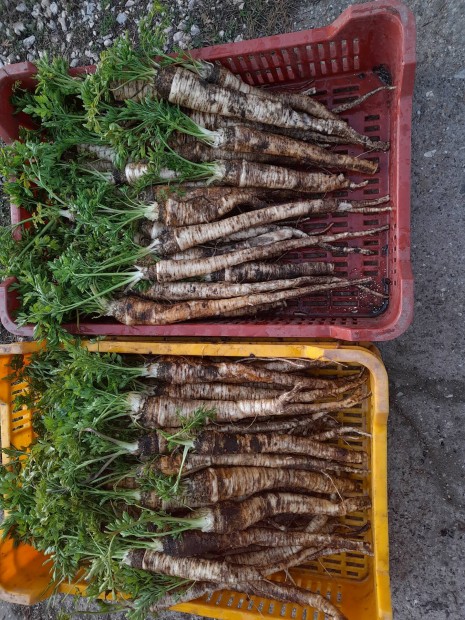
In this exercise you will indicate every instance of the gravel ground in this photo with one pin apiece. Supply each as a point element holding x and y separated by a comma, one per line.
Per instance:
<point>426,437</point>
<point>80,30</point>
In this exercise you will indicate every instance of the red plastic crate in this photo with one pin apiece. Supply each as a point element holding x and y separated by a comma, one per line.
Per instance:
<point>348,58</point>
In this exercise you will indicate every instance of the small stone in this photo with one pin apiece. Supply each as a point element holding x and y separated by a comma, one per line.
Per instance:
<point>430,94</point>
<point>178,36</point>
<point>182,25</point>
<point>44,4</point>
<point>460,75</point>
<point>191,4</point>
<point>238,38</point>
<point>74,62</point>
<point>221,34</point>
<point>40,24</point>
<point>35,11</point>
<point>430,154</point>
<point>241,6</point>
<point>62,22</point>
<point>129,3</point>
<point>52,25</point>
<point>69,36</point>
<point>195,30</point>
<point>53,8</point>
<point>29,42</point>
<point>107,42</point>
<point>21,7</point>
<point>19,27</point>
<point>121,18</point>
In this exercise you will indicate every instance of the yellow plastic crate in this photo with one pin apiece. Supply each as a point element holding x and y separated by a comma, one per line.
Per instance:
<point>359,585</point>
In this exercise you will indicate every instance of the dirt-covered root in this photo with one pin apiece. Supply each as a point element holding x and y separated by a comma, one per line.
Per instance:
<point>195,151</point>
<point>195,543</point>
<point>243,173</point>
<point>198,370</point>
<point>171,271</point>
<point>242,138</point>
<point>169,240</point>
<point>261,272</point>
<point>359,100</point>
<point>221,76</point>
<point>183,595</point>
<point>291,594</point>
<point>182,291</point>
<point>170,465</point>
<point>229,517</point>
<point>132,310</point>
<point>187,206</point>
<point>283,558</point>
<point>274,307</point>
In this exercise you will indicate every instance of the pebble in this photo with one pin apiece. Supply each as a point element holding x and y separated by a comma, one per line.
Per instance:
<point>178,36</point>
<point>121,18</point>
<point>19,27</point>
<point>69,36</point>
<point>62,22</point>
<point>74,62</point>
<point>53,8</point>
<point>21,7</point>
<point>195,30</point>
<point>191,4</point>
<point>107,42</point>
<point>430,154</point>
<point>129,3</point>
<point>460,75</point>
<point>29,42</point>
<point>221,34</point>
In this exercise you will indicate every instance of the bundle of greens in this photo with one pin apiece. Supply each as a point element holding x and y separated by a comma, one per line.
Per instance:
<point>142,468</point>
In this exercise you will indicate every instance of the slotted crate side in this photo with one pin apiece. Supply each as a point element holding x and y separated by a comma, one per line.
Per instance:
<point>359,584</point>
<point>343,60</point>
